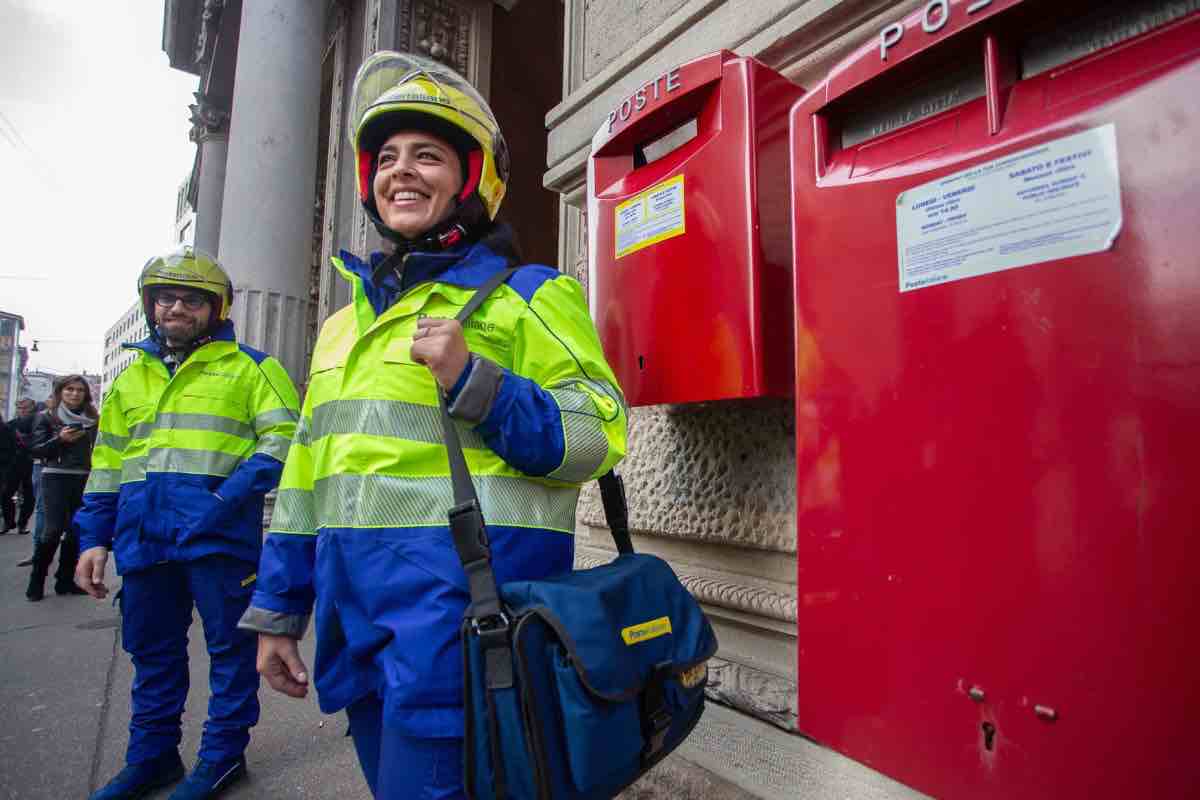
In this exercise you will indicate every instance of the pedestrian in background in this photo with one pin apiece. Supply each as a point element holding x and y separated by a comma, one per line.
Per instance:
<point>194,433</point>
<point>39,505</point>
<point>20,479</point>
<point>361,520</point>
<point>9,448</point>
<point>63,439</point>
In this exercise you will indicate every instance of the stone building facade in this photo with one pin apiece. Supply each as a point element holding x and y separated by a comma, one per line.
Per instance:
<point>711,486</point>
<point>129,327</point>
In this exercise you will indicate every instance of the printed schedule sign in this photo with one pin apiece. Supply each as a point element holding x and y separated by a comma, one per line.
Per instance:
<point>1056,200</point>
<point>650,217</point>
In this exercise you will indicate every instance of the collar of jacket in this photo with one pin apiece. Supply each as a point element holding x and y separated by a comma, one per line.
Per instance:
<point>468,265</point>
<point>222,341</point>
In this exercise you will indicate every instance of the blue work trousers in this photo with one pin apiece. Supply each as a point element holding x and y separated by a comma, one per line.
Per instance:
<point>156,612</point>
<point>400,767</point>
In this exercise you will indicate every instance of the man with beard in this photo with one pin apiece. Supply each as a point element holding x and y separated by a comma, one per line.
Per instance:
<point>193,434</point>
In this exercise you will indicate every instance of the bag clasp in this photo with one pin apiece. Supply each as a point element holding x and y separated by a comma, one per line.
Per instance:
<point>656,717</point>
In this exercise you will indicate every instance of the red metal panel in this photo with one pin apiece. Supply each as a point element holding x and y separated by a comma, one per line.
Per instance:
<point>704,315</point>
<point>997,514</point>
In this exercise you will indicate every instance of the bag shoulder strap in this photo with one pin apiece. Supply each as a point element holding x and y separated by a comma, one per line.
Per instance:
<point>616,510</point>
<point>466,518</point>
<point>460,476</point>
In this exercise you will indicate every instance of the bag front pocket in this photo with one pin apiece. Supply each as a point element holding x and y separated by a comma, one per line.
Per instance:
<point>603,739</point>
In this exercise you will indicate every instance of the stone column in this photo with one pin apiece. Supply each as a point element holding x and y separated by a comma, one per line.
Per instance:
<point>210,132</point>
<point>267,214</point>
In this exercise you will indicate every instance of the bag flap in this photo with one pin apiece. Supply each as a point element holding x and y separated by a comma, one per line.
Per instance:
<point>619,622</point>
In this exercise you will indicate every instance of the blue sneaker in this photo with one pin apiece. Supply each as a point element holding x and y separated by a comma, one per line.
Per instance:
<point>208,779</point>
<point>138,780</point>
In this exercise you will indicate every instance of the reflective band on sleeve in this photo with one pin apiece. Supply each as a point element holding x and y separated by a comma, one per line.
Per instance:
<point>276,416</point>
<point>367,501</point>
<point>294,512</point>
<point>416,423</point>
<point>585,443</point>
<point>112,440</point>
<point>103,480</point>
<point>274,445</point>
<point>205,422</point>
<point>192,462</point>
<point>302,436</point>
<point>133,469</point>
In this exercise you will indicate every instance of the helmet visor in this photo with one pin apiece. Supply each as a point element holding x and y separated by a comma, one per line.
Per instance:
<point>408,81</point>
<point>190,268</point>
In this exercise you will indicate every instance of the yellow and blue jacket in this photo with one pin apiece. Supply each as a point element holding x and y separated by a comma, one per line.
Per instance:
<point>360,535</point>
<point>183,460</point>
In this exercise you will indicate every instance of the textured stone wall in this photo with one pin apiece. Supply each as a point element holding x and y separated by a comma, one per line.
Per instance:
<point>611,27</point>
<point>720,472</point>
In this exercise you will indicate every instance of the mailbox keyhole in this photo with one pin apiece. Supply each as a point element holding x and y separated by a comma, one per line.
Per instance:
<point>641,362</point>
<point>989,736</point>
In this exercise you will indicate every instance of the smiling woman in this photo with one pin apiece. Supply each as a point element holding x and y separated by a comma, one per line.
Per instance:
<point>63,437</point>
<point>368,474</point>
<point>417,179</point>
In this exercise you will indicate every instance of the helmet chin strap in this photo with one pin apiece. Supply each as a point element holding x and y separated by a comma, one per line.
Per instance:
<point>466,224</point>
<point>181,352</point>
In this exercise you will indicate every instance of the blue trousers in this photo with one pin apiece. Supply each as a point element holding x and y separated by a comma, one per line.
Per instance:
<point>156,612</point>
<point>399,767</point>
<point>39,508</point>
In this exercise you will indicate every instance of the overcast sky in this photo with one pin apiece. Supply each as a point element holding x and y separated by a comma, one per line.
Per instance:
<point>93,147</point>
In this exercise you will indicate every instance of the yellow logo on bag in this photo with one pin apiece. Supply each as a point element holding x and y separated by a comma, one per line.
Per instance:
<point>646,630</point>
<point>691,678</point>
<point>250,579</point>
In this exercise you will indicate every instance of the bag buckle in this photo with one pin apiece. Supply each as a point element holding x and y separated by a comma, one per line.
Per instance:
<point>659,721</point>
<point>492,630</point>
<point>656,717</point>
<point>490,625</point>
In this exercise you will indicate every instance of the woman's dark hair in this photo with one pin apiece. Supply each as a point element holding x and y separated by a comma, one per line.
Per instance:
<point>89,408</point>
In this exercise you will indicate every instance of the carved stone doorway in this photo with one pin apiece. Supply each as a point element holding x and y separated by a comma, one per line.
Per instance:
<point>526,82</point>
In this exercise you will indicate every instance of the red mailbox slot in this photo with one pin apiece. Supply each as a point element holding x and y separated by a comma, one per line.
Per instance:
<point>997,299</point>
<point>689,262</point>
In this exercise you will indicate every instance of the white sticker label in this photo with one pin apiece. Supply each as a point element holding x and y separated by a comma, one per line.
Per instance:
<point>650,217</point>
<point>1056,200</point>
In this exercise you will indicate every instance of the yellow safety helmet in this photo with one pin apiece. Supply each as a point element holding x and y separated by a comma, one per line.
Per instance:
<point>397,91</point>
<point>187,268</point>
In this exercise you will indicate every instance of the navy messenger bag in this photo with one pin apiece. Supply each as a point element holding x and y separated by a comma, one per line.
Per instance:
<point>576,685</point>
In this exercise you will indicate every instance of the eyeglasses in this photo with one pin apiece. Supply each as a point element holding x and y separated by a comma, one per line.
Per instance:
<point>192,302</point>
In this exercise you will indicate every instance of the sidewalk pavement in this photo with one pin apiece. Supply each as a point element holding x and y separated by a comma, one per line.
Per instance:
<point>64,705</point>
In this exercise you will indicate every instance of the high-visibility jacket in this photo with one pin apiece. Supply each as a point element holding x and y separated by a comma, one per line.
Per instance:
<point>183,460</point>
<point>360,523</point>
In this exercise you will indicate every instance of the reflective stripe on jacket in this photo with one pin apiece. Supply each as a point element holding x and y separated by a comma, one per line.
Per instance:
<point>182,461</point>
<point>360,525</point>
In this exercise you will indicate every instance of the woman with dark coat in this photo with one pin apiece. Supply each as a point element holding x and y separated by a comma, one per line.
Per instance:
<point>63,437</point>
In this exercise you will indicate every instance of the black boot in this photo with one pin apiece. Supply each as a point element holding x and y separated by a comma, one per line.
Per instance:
<point>64,576</point>
<point>37,573</point>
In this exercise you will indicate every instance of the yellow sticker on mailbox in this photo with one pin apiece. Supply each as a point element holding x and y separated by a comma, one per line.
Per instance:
<point>646,630</point>
<point>649,217</point>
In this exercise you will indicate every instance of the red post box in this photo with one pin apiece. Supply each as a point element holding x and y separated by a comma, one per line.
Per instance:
<point>997,294</point>
<point>689,262</point>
